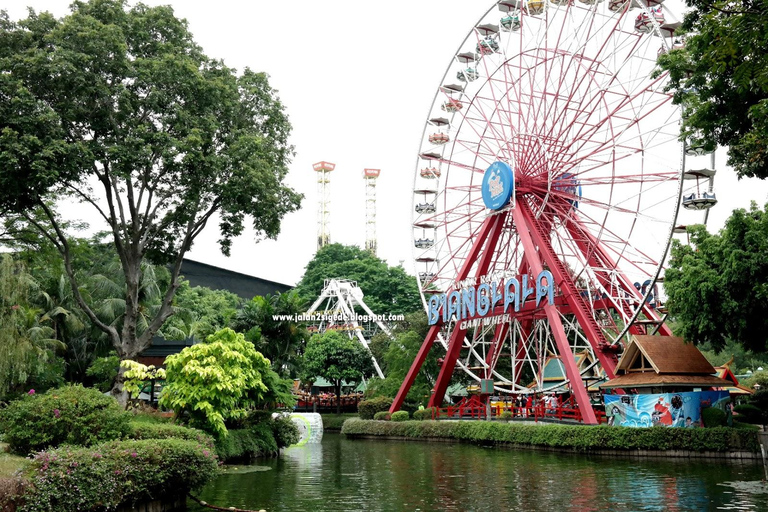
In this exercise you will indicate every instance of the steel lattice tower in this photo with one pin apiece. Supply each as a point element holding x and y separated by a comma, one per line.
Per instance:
<point>323,170</point>
<point>370,175</point>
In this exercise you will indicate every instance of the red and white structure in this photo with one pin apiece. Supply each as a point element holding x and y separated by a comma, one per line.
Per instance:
<point>564,92</point>
<point>370,176</point>
<point>323,170</point>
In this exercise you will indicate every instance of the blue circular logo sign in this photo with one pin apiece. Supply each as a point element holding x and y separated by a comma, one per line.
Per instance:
<point>498,185</point>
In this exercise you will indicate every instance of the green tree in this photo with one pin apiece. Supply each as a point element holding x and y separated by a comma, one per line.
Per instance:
<point>200,311</point>
<point>398,355</point>
<point>120,109</point>
<point>387,290</point>
<point>218,381</point>
<point>720,79</point>
<point>281,341</point>
<point>26,346</point>
<point>335,357</point>
<point>718,285</point>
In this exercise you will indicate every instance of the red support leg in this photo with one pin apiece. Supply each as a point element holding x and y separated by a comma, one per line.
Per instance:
<point>528,231</point>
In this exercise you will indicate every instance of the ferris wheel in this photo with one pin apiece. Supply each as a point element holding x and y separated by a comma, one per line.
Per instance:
<point>565,98</point>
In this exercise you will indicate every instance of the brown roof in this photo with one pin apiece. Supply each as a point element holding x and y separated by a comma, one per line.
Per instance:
<point>667,355</point>
<point>651,379</point>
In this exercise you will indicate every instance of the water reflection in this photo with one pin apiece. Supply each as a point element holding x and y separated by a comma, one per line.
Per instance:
<point>344,475</point>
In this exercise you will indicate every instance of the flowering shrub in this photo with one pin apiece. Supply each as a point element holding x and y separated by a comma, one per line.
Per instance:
<point>109,474</point>
<point>70,414</point>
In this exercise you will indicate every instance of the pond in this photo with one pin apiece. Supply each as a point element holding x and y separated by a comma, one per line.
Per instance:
<point>378,475</point>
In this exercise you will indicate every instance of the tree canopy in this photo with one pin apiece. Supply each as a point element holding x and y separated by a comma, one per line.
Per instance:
<point>120,109</point>
<point>335,357</point>
<point>718,284</point>
<point>720,77</point>
<point>387,290</point>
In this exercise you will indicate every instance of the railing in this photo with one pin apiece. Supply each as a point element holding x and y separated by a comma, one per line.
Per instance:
<point>564,413</point>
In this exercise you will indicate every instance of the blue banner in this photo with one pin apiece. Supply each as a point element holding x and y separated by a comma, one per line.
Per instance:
<point>664,409</point>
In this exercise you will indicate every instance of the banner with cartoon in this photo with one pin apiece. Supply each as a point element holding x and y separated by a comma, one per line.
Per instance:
<point>662,409</point>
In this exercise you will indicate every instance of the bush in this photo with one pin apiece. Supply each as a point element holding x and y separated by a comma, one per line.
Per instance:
<point>367,408</point>
<point>140,430</point>
<point>575,437</point>
<point>714,417</point>
<point>107,475</point>
<point>381,416</point>
<point>260,439</point>
<point>399,416</point>
<point>71,414</point>
<point>423,414</point>
<point>749,414</point>
<point>335,421</point>
<point>506,416</point>
<point>103,371</point>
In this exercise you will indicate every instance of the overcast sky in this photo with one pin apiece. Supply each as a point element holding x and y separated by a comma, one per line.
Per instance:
<point>357,79</point>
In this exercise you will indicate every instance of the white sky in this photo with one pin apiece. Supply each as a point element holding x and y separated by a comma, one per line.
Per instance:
<point>358,79</point>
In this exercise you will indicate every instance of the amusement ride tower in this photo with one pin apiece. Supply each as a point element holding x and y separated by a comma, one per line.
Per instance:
<point>548,183</point>
<point>370,176</point>
<point>323,170</point>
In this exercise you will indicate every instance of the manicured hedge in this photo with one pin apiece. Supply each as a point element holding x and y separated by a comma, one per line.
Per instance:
<point>382,416</point>
<point>106,475</point>
<point>261,439</point>
<point>576,437</point>
<point>399,416</point>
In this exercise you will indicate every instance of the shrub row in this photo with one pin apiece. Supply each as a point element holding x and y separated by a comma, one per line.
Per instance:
<point>368,408</point>
<point>141,430</point>
<point>576,437</point>
<point>106,475</point>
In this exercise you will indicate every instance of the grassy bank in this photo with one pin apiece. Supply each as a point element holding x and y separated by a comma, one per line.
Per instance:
<point>9,463</point>
<point>567,437</point>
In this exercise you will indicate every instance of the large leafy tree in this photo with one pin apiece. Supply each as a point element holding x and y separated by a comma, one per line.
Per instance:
<point>200,311</point>
<point>387,290</point>
<point>119,108</point>
<point>718,285</point>
<point>720,78</point>
<point>335,357</point>
<point>269,323</point>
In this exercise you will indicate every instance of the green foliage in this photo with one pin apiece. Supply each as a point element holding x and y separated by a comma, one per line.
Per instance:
<point>25,343</point>
<point>107,475</point>
<point>387,290</point>
<point>71,415</point>
<point>506,416</point>
<point>713,417</point>
<point>382,416</point>
<point>424,414</point>
<point>335,357</point>
<point>367,408</point>
<point>141,430</point>
<point>760,400</point>
<point>200,311</point>
<point>264,438</point>
<point>103,371</point>
<point>118,107</point>
<point>748,413</point>
<point>759,378</point>
<point>335,421</point>
<point>576,437</point>
<point>719,79</point>
<point>215,381</point>
<point>136,374</point>
<point>398,357</point>
<point>400,416</point>
<point>281,341</point>
<point>717,285</point>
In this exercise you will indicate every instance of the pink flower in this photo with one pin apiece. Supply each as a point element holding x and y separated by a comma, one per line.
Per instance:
<point>134,455</point>
<point>31,392</point>
<point>56,413</point>
<point>15,307</point>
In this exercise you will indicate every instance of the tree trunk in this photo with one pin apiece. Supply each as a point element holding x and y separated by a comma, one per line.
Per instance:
<point>338,396</point>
